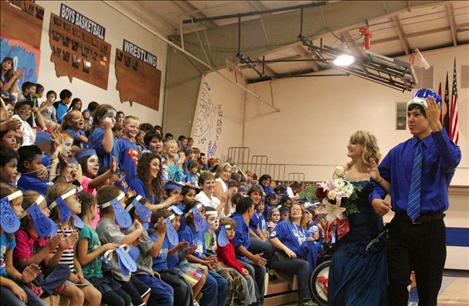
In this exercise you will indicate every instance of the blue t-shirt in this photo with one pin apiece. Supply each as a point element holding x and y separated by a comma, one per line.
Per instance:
<point>129,154</point>
<point>6,244</point>
<point>61,110</point>
<point>164,261</point>
<point>96,142</point>
<point>138,186</point>
<point>75,135</point>
<point>193,238</point>
<point>257,220</point>
<point>291,235</point>
<point>27,182</point>
<point>241,237</point>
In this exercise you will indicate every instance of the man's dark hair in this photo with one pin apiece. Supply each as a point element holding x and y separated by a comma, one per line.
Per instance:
<point>418,107</point>
<point>27,153</point>
<point>181,138</point>
<point>167,135</point>
<point>243,205</point>
<point>149,137</point>
<point>92,106</point>
<point>65,94</point>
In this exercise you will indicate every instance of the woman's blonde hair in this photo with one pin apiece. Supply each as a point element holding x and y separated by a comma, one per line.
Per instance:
<point>223,167</point>
<point>369,144</point>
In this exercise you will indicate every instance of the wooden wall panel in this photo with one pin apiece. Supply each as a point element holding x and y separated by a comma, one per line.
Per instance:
<point>137,81</point>
<point>77,53</point>
<point>22,20</point>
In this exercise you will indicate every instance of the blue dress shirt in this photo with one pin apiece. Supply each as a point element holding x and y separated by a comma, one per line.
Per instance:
<point>440,159</point>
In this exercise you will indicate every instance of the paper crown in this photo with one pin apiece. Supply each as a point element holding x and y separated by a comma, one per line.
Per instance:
<point>420,97</point>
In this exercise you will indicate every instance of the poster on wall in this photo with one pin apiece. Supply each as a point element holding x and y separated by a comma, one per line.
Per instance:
<point>78,47</point>
<point>207,124</point>
<point>138,79</point>
<point>24,56</point>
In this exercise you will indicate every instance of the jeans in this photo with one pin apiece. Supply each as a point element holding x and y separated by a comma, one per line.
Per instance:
<point>10,299</point>
<point>295,266</point>
<point>161,293</point>
<point>215,290</point>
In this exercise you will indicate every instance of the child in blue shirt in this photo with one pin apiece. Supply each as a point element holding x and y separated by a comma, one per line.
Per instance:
<point>215,290</point>
<point>127,149</point>
<point>34,176</point>
<point>166,263</point>
<point>102,139</point>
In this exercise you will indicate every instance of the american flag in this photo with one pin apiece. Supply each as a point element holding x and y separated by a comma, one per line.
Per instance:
<point>453,110</point>
<point>446,107</point>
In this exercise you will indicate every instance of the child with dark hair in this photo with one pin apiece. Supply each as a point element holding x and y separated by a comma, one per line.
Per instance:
<point>8,166</point>
<point>111,229</point>
<point>102,139</point>
<point>9,139</point>
<point>33,247</point>
<point>28,90</point>
<point>253,253</point>
<point>171,264</point>
<point>68,229</point>
<point>144,250</point>
<point>274,218</point>
<point>61,106</point>
<point>34,176</point>
<point>75,105</point>
<point>192,174</point>
<point>153,142</point>
<point>48,111</point>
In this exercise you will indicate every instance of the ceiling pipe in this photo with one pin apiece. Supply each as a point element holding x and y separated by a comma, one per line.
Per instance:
<point>188,54</point>
<point>256,13</point>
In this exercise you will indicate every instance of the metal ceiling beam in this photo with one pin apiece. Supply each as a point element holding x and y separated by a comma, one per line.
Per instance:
<point>452,23</point>
<point>400,33</point>
<point>267,11</point>
<point>305,53</point>
<point>193,12</point>
<point>349,42</point>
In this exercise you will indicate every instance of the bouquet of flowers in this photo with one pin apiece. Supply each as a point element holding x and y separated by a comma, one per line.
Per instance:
<point>336,199</point>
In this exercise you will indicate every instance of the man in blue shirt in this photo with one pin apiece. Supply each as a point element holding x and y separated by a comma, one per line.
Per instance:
<point>419,171</point>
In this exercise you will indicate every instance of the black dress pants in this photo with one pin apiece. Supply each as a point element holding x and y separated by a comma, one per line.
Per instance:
<point>418,247</point>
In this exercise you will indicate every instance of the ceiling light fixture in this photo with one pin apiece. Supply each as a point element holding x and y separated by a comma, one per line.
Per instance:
<point>344,60</point>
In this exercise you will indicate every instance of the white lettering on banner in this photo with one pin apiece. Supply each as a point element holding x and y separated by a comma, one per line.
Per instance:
<point>139,53</point>
<point>82,22</point>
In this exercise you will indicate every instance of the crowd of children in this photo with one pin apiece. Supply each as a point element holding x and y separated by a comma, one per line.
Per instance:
<point>107,210</point>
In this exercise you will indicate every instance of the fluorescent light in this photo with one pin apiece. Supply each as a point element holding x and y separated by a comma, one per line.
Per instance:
<point>344,60</point>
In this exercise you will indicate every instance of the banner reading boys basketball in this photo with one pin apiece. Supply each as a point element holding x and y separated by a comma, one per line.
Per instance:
<point>24,56</point>
<point>208,121</point>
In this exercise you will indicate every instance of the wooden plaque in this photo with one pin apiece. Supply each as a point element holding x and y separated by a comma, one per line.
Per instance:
<point>137,81</point>
<point>22,20</point>
<point>77,53</point>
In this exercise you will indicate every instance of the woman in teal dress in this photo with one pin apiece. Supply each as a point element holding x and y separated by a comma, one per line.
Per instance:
<point>358,273</point>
